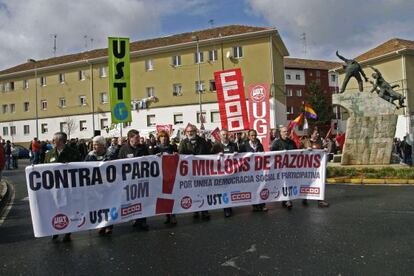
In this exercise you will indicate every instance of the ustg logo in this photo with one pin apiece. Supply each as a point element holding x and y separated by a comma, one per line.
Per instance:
<point>98,216</point>
<point>217,199</point>
<point>290,191</point>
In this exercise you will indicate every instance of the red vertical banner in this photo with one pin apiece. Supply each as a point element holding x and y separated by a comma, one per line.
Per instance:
<point>259,112</point>
<point>231,100</point>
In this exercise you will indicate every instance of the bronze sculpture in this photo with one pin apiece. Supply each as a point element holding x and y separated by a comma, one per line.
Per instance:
<point>386,90</point>
<point>352,69</point>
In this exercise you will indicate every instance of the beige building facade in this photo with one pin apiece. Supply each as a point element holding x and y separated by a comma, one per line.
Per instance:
<point>70,93</point>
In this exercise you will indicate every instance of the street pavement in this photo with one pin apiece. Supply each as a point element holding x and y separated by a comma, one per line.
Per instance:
<point>368,230</point>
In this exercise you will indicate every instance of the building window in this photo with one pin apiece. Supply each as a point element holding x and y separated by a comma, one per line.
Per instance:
<point>297,77</point>
<point>82,125</point>
<point>289,92</point>
<point>42,81</point>
<point>318,73</point>
<point>289,109</point>
<point>5,131</point>
<point>11,86</point>
<point>43,128</point>
<point>199,87</point>
<point>104,123</point>
<point>61,78</point>
<point>288,76</point>
<point>13,130</point>
<point>104,97</point>
<point>26,106</point>
<point>299,93</point>
<point>25,84</point>
<point>150,91</point>
<point>63,126</point>
<point>333,78</point>
<point>5,108</point>
<point>176,61</point>
<point>151,120</point>
<point>3,87</point>
<point>62,102</point>
<point>203,116</point>
<point>103,71</point>
<point>212,55</point>
<point>82,100</point>
<point>12,108</point>
<point>212,85</point>
<point>26,129</point>
<point>43,104</point>
<point>237,52</point>
<point>149,65</point>
<point>198,58</point>
<point>178,119</point>
<point>81,75</point>
<point>177,89</point>
<point>215,116</point>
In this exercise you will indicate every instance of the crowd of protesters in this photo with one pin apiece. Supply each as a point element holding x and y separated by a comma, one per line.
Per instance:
<point>63,150</point>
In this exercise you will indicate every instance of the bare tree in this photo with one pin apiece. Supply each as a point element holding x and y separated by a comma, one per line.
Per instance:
<point>69,125</point>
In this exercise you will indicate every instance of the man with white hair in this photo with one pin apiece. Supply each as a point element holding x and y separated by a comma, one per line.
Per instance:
<point>62,153</point>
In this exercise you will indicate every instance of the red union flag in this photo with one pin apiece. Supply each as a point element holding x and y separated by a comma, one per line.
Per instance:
<point>167,128</point>
<point>259,112</point>
<point>231,100</point>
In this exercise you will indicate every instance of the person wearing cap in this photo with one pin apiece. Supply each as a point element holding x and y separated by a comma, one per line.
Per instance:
<point>194,144</point>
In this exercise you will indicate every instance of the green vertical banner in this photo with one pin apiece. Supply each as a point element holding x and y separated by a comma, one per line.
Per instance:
<point>119,79</point>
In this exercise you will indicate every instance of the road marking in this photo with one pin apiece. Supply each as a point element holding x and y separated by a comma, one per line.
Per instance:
<point>8,206</point>
<point>25,199</point>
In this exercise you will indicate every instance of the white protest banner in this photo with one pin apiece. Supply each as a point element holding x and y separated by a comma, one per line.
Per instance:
<point>87,195</point>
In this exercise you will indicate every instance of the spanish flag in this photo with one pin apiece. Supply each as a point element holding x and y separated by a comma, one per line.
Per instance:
<point>297,121</point>
<point>310,112</point>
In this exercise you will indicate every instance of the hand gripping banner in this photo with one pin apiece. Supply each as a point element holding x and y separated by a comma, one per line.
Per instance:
<point>87,195</point>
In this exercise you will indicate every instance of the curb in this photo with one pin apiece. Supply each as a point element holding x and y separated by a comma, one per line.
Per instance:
<point>363,181</point>
<point>4,195</point>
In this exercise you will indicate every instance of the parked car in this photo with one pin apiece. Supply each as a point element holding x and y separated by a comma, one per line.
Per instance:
<point>23,152</point>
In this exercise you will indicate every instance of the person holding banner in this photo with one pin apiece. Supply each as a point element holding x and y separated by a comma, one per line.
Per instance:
<point>62,153</point>
<point>221,147</point>
<point>194,144</point>
<point>100,153</point>
<point>254,145</point>
<point>315,142</point>
<point>164,147</point>
<point>133,148</point>
<point>284,143</point>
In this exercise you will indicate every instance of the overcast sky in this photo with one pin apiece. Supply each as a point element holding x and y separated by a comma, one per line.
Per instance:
<point>27,26</point>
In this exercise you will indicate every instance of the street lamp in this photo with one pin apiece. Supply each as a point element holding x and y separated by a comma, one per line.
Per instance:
<point>36,107</point>
<point>199,88</point>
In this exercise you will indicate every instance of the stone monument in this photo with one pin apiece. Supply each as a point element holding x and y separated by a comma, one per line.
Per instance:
<point>370,128</point>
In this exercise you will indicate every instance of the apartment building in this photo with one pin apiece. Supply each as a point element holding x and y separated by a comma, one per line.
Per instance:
<point>70,93</point>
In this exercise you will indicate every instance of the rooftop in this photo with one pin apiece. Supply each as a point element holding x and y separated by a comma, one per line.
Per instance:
<point>141,45</point>
<point>310,64</point>
<point>389,46</point>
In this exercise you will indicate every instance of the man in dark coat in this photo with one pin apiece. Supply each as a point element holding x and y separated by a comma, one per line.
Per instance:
<point>132,149</point>
<point>196,145</point>
<point>221,147</point>
<point>284,143</point>
<point>61,153</point>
